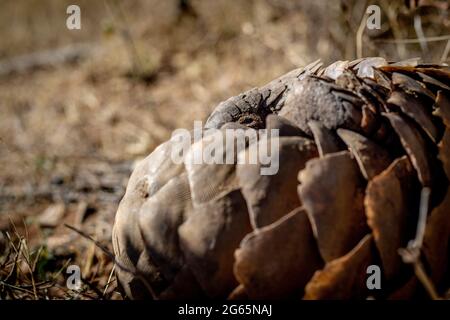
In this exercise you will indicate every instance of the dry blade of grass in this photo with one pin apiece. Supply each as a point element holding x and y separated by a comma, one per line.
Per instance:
<point>359,36</point>
<point>20,277</point>
<point>414,40</point>
<point>446,52</point>
<point>110,280</point>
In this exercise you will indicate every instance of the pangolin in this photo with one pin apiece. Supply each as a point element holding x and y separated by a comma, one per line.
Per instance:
<point>364,164</point>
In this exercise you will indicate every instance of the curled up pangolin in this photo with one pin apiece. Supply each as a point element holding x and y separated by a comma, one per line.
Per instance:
<point>364,165</point>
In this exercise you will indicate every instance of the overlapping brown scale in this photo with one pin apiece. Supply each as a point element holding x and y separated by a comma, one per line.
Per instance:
<point>433,81</point>
<point>442,74</point>
<point>208,239</point>
<point>370,121</point>
<point>382,79</point>
<point>444,152</point>
<point>406,291</point>
<point>411,62</point>
<point>375,95</point>
<point>367,89</point>
<point>210,179</point>
<point>366,66</point>
<point>442,106</point>
<point>347,79</point>
<point>436,242</point>
<point>433,65</point>
<point>183,286</point>
<point>390,203</point>
<point>277,261</point>
<point>314,67</point>
<point>159,218</point>
<point>334,70</point>
<point>331,190</point>
<point>411,85</point>
<point>219,216</point>
<point>262,192</point>
<point>150,175</point>
<point>416,110</point>
<point>414,145</point>
<point>371,158</point>
<point>285,127</point>
<point>345,277</point>
<point>437,73</point>
<point>325,139</point>
<point>382,87</point>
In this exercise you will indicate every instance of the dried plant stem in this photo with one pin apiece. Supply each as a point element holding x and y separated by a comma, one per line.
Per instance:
<point>420,34</point>
<point>359,36</point>
<point>414,40</point>
<point>446,52</point>
<point>411,254</point>
<point>109,280</point>
<point>425,280</point>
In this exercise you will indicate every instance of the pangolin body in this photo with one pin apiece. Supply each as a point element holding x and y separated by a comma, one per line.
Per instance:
<point>359,144</point>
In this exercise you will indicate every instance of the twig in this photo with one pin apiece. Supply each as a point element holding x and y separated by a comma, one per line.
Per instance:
<point>414,40</point>
<point>359,36</point>
<point>109,280</point>
<point>15,287</point>
<point>420,35</point>
<point>17,251</point>
<point>27,260</point>
<point>411,254</point>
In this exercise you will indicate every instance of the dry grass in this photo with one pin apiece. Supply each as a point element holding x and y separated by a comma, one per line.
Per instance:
<point>39,274</point>
<point>70,134</point>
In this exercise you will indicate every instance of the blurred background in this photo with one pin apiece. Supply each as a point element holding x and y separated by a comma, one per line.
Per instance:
<point>78,108</point>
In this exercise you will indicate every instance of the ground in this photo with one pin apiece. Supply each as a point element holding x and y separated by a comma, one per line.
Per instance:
<point>71,132</point>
